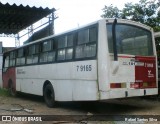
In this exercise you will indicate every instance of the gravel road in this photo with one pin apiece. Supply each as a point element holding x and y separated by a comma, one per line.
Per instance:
<point>23,105</point>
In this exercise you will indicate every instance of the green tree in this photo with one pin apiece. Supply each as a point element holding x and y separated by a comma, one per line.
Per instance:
<point>111,12</point>
<point>146,12</point>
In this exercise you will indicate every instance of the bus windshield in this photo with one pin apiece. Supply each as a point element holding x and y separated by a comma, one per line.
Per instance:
<point>130,40</point>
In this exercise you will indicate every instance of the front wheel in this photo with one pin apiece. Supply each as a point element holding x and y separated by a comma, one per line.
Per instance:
<point>49,96</point>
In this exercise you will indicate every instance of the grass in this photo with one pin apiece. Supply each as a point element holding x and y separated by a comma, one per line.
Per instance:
<point>4,92</point>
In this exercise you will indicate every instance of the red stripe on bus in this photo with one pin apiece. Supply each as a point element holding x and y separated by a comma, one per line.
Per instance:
<point>146,73</point>
<point>9,75</point>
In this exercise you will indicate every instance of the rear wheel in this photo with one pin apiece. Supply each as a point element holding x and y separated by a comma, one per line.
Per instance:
<point>49,96</point>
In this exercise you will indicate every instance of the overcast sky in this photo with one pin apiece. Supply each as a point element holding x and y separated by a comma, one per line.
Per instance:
<point>71,13</point>
<point>74,13</point>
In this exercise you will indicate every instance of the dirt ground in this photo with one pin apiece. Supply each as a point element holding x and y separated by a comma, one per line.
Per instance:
<point>27,105</point>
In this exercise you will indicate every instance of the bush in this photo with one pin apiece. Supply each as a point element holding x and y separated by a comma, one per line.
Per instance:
<point>4,92</point>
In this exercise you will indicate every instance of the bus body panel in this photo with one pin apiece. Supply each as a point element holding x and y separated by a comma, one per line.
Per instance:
<point>145,69</point>
<point>121,93</point>
<point>136,79</point>
<point>31,86</point>
<point>134,69</point>
<point>75,90</point>
<point>71,81</point>
<point>124,71</point>
<point>86,70</point>
<point>103,59</point>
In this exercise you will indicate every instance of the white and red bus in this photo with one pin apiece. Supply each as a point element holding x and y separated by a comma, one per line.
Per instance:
<point>103,60</point>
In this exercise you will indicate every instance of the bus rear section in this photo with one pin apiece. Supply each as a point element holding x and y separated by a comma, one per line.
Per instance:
<point>127,67</point>
<point>135,76</point>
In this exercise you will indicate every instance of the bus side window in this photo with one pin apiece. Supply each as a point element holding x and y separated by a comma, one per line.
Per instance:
<point>69,53</point>
<point>46,46</point>
<point>87,47</point>
<point>47,55</point>
<point>52,53</point>
<point>80,51</point>
<point>12,58</point>
<point>61,48</point>
<point>43,57</point>
<point>70,40</point>
<point>93,34</point>
<point>83,36</point>
<point>32,56</point>
<point>6,62</point>
<point>20,57</point>
<point>69,49</point>
<point>90,50</point>
<point>51,56</point>
<point>65,47</point>
<point>62,42</point>
<point>61,54</point>
<point>35,54</point>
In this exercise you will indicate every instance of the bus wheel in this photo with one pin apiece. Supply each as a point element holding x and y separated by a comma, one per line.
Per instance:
<point>12,90</point>
<point>49,95</point>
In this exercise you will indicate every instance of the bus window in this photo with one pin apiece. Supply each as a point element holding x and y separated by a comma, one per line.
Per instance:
<point>86,51</point>
<point>32,56</point>
<point>61,54</point>
<point>12,58</point>
<point>35,58</point>
<point>87,48</point>
<point>46,46</point>
<point>47,54</point>
<point>6,63</point>
<point>80,51</point>
<point>92,34</point>
<point>31,50</point>
<point>51,56</point>
<point>65,45</point>
<point>62,42</point>
<point>70,40</point>
<point>29,59</point>
<point>43,57</point>
<point>20,57</point>
<point>139,42</point>
<point>69,53</point>
<point>83,36</point>
<point>90,50</point>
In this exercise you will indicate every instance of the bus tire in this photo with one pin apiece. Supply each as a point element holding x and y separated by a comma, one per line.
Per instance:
<point>12,90</point>
<point>49,96</point>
